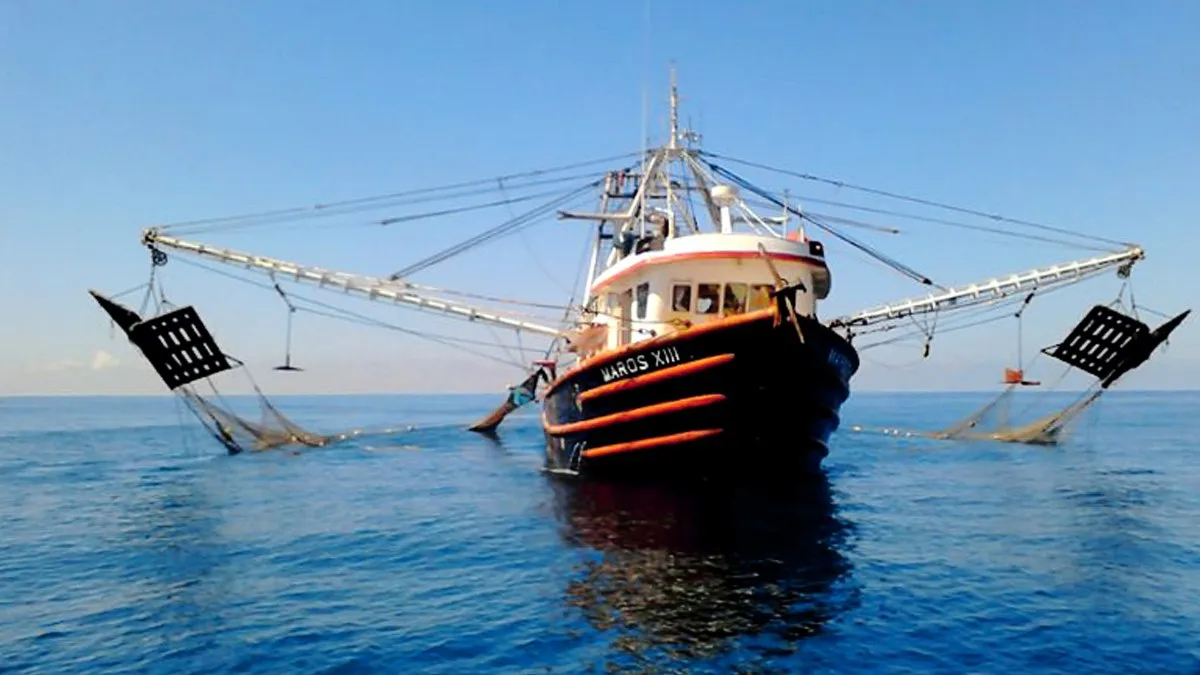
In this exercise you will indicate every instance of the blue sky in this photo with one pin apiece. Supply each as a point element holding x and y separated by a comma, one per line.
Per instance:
<point>119,115</point>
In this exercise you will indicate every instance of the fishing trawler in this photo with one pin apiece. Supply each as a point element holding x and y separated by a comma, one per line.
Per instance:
<point>695,347</point>
<point>696,344</point>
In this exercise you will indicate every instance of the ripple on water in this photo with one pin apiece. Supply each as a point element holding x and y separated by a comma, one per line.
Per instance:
<point>126,551</point>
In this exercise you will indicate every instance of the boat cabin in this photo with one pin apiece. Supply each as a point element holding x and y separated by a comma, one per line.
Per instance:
<point>659,284</point>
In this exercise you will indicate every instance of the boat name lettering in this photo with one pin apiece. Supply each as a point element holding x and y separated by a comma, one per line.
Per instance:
<point>632,365</point>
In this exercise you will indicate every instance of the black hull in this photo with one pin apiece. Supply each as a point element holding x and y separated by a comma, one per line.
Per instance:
<point>746,397</point>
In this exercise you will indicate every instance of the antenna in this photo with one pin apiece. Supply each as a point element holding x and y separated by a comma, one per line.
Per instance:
<point>645,139</point>
<point>787,211</point>
<point>674,110</point>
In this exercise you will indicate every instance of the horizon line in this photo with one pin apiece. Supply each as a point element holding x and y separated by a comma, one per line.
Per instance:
<point>490,393</point>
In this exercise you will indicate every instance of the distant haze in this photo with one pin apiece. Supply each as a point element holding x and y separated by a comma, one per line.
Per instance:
<point>124,372</point>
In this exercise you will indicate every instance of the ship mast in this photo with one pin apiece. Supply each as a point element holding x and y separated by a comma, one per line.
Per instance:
<point>629,214</point>
<point>672,152</point>
<point>674,140</point>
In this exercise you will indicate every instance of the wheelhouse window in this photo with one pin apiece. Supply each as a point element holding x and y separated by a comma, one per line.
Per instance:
<point>735,299</point>
<point>681,298</point>
<point>726,299</point>
<point>643,297</point>
<point>708,298</point>
<point>760,296</point>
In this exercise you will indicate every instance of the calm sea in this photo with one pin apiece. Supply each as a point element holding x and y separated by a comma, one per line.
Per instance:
<point>133,544</point>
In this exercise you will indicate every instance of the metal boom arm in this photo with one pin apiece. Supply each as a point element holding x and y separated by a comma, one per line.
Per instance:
<point>371,288</point>
<point>992,290</point>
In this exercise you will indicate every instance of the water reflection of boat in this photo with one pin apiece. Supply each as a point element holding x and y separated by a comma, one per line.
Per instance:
<point>692,573</point>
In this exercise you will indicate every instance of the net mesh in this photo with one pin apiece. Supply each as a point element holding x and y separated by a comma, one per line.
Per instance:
<point>993,422</point>
<point>183,351</point>
<point>273,430</point>
<point>1105,344</point>
<point>185,354</point>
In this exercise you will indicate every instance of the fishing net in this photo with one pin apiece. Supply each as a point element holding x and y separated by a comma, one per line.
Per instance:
<point>183,352</point>
<point>993,422</point>
<point>1105,344</point>
<point>237,433</point>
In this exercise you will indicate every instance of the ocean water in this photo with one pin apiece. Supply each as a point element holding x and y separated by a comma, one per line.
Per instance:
<point>131,543</point>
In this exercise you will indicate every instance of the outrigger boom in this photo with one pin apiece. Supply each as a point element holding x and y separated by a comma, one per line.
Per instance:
<point>369,287</point>
<point>994,289</point>
<point>404,293</point>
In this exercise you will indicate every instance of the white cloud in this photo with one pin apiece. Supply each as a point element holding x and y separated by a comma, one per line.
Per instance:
<point>102,360</point>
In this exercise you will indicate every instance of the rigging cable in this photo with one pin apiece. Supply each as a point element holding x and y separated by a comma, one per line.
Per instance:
<point>564,322</point>
<point>488,298</point>
<point>1020,331</point>
<point>962,321</point>
<point>906,336</point>
<point>500,230</point>
<point>528,247</point>
<point>445,340</point>
<point>300,211</point>
<point>249,223</point>
<point>287,355</point>
<point>997,305</point>
<point>928,328</point>
<point>1135,308</point>
<point>335,312</point>
<point>890,262</point>
<point>917,200</point>
<point>940,221</point>
<point>506,201</point>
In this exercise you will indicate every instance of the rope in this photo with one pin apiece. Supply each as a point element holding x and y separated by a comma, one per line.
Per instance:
<point>927,328</point>
<point>989,306</point>
<point>355,317</point>
<point>507,201</point>
<point>930,220</point>
<point>917,200</point>
<point>393,220</point>
<point>953,327</point>
<point>529,248</point>
<point>299,212</point>
<point>500,230</point>
<point>1020,329</point>
<point>890,262</point>
<point>287,354</point>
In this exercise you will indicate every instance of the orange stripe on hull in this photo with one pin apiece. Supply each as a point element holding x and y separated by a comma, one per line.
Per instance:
<point>657,376</point>
<point>667,339</point>
<point>647,443</point>
<point>632,415</point>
